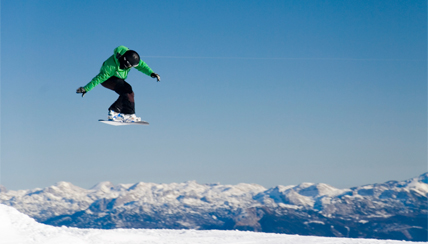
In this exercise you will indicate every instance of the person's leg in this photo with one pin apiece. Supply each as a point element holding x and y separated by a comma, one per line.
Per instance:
<point>125,103</point>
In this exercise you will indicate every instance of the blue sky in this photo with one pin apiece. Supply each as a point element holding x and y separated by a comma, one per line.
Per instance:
<point>266,92</point>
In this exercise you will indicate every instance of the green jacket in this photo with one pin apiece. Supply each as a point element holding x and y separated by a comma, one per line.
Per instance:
<point>111,68</point>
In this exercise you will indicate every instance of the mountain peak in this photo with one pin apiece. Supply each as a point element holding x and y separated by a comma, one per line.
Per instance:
<point>423,178</point>
<point>63,186</point>
<point>104,186</point>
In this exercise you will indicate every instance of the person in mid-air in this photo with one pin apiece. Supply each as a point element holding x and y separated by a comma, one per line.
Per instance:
<point>112,75</point>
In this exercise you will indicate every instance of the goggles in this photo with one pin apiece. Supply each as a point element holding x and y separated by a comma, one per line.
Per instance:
<point>127,64</point>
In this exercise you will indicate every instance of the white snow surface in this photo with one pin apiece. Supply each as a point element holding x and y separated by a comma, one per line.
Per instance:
<point>18,228</point>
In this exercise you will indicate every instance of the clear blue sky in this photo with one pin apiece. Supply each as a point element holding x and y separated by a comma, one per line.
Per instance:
<point>266,92</point>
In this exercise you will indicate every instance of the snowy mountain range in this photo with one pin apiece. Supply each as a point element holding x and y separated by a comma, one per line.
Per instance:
<point>15,227</point>
<point>391,210</point>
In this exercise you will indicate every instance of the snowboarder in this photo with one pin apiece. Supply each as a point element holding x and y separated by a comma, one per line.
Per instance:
<point>112,76</point>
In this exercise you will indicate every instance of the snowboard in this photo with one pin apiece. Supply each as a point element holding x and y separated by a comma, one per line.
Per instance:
<point>118,123</point>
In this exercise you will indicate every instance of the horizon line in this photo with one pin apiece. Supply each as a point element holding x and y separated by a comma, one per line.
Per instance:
<point>281,58</point>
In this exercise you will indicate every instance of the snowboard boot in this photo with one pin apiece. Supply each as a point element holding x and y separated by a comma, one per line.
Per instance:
<point>129,118</point>
<point>114,116</point>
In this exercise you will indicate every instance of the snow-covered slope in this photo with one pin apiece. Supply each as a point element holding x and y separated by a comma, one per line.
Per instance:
<point>17,228</point>
<point>392,210</point>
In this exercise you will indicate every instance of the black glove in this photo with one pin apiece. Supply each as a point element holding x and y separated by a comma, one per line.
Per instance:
<point>154,75</point>
<point>81,90</point>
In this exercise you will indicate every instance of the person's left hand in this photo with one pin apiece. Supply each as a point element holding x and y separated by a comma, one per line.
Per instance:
<point>154,75</point>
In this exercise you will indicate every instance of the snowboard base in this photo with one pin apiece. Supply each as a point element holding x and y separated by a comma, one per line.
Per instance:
<point>118,123</point>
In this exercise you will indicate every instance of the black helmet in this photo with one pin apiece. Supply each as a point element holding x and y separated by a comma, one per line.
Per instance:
<point>129,59</point>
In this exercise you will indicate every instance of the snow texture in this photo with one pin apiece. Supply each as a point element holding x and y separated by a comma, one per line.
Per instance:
<point>17,228</point>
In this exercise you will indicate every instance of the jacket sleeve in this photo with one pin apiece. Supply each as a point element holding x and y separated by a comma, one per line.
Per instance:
<point>143,67</point>
<point>107,70</point>
<point>100,78</point>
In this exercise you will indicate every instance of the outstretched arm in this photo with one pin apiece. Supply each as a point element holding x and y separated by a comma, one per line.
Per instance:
<point>100,78</point>
<point>143,67</point>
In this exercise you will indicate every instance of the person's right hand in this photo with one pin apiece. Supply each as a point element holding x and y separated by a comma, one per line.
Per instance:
<point>81,90</point>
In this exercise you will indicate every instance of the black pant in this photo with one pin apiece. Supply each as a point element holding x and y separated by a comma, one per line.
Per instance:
<point>125,103</point>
